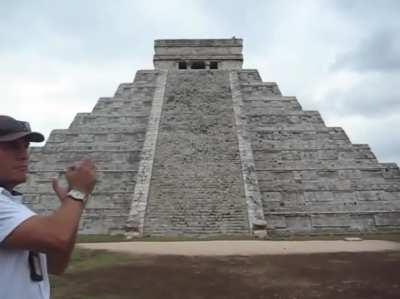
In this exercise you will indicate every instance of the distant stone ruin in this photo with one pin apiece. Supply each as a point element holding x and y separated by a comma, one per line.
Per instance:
<point>201,147</point>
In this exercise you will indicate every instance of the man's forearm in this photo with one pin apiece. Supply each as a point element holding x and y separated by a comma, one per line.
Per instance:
<point>69,212</point>
<point>57,262</point>
<point>48,234</point>
<point>66,219</point>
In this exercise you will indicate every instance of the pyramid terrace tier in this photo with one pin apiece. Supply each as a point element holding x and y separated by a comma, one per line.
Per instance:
<point>136,105</point>
<point>274,104</point>
<point>296,120</point>
<point>328,223</point>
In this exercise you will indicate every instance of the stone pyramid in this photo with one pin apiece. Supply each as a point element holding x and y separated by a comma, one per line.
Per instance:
<point>201,147</point>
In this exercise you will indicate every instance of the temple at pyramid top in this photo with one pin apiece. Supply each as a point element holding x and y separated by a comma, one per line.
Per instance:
<point>186,54</point>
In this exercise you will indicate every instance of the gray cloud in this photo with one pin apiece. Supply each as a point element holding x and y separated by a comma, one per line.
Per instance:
<point>93,31</point>
<point>54,53</point>
<point>372,96</point>
<point>379,52</point>
<point>367,13</point>
<point>386,145</point>
<point>381,134</point>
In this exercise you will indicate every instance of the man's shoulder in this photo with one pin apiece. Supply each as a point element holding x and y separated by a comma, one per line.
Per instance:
<point>12,214</point>
<point>4,198</point>
<point>8,196</point>
<point>12,203</point>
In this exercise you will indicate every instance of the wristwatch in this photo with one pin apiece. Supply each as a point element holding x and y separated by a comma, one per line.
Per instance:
<point>78,196</point>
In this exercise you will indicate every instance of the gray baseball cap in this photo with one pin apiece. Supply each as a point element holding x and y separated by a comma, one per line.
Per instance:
<point>12,129</point>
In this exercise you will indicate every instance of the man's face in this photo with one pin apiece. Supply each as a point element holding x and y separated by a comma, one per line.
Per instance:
<point>13,162</point>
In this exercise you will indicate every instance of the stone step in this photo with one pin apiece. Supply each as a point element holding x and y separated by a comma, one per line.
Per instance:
<point>335,133</point>
<point>194,222</point>
<point>318,177</point>
<point>296,120</point>
<point>344,153</point>
<point>197,234</point>
<point>321,173</point>
<point>196,174</point>
<point>363,184</point>
<point>129,154</point>
<point>298,139</point>
<point>92,139</point>
<point>102,223</point>
<point>103,159</point>
<point>259,105</point>
<point>146,76</point>
<point>391,171</point>
<point>60,133</point>
<point>257,90</point>
<point>140,109</point>
<point>285,224</point>
<point>135,92</point>
<point>189,228</point>
<point>120,180</point>
<point>337,206</point>
<point>118,165</point>
<point>124,90</point>
<point>249,76</point>
<point>126,144</point>
<point>311,197</point>
<point>87,120</point>
<point>115,105</point>
<point>328,165</point>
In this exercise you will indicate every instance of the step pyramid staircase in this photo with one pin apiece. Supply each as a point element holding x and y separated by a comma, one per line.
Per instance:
<point>201,147</point>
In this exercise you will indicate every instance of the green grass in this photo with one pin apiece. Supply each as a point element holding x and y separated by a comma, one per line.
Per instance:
<point>83,260</point>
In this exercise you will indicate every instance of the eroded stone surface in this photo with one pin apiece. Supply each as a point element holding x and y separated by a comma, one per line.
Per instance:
<point>196,188</point>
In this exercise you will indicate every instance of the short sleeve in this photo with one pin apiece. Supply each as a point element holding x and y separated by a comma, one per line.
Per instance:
<point>12,214</point>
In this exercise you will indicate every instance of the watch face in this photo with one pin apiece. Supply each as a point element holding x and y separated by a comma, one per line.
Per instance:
<point>76,194</point>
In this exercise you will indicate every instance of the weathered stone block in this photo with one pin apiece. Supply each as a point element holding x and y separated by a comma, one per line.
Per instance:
<point>301,223</point>
<point>331,220</point>
<point>387,219</point>
<point>274,222</point>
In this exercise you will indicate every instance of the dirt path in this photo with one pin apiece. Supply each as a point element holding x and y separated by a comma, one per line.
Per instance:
<point>226,248</point>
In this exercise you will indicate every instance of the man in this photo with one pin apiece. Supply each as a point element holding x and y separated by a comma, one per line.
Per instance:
<point>31,245</point>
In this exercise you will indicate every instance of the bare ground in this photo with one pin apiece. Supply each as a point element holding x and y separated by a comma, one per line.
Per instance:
<point>326,275</point>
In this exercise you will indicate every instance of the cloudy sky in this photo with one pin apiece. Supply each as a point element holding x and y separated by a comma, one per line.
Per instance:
<point>339,57</point>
